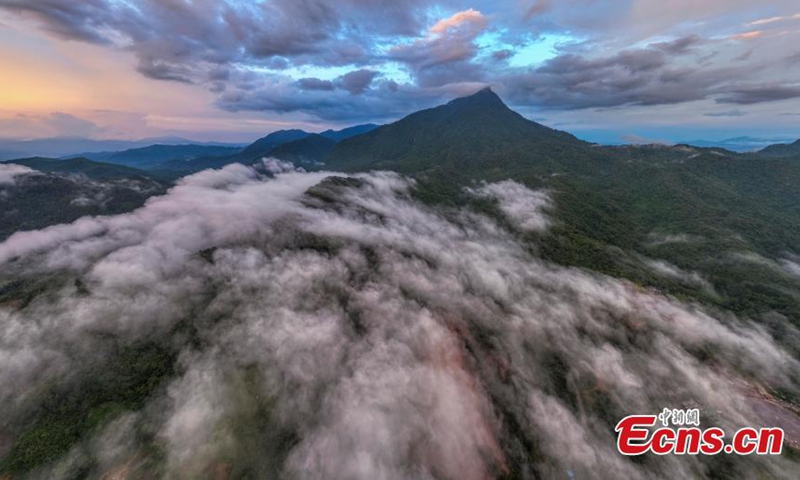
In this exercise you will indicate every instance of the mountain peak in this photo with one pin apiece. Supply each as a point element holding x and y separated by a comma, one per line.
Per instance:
<point>470,133</point>
<point>483,98</point>
<point>486,92</point>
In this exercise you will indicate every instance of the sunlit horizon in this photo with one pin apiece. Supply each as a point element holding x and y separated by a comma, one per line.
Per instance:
<point>228,71</point>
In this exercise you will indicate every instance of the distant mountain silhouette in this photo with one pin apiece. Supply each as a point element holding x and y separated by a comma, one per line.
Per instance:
<point>289,140</point>
<point>153,155</point>
<point>83,147</point>
<point>736,144</point>
<point>290,145</point>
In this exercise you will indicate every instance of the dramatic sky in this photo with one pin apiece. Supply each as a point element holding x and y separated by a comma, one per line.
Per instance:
<point>607,70</point>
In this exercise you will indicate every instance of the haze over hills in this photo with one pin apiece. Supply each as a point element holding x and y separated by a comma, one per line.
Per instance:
<point>179,157</point>
<point>739,144</point>
<point>60,147</point>
<point>152,155</point>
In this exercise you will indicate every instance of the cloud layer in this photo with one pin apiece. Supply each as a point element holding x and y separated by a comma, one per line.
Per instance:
<point>377,59</point>
<point>344,330</point>
<point>9,172</point>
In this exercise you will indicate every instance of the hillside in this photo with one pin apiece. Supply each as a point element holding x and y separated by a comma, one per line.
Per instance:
<point>782,150</point>
<point>612,202</point>
<point>478,133</point>
<point>261,147</point>
<point>304,152</point>
<point>62,191</point>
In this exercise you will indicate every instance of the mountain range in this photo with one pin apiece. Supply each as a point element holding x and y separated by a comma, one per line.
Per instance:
<point>293,144</point>
<point>153,155</point>
<point>170,160</point>
<point>739,144</point>
<point>76,146</point>
<point>534,286</point>
<point>608,197</point>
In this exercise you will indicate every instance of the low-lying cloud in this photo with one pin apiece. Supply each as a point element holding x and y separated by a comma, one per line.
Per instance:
<point>342,329</point>
<point>676,273</point>
<point>9,172</point>
<point>525,207</point>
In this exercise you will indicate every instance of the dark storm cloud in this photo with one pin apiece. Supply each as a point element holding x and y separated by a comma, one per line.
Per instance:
<point>358,81</point>
<point>645,76</point>
<point>681,45</point>
<point>162,71</point>
<point>759,93</point>
<point>330,100</point>
<point>355,82</point>
<point>631,77</point>
<point>315,84</point>
<point>219,31</point>
<point>71,20</point>
<point>170,35</point>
